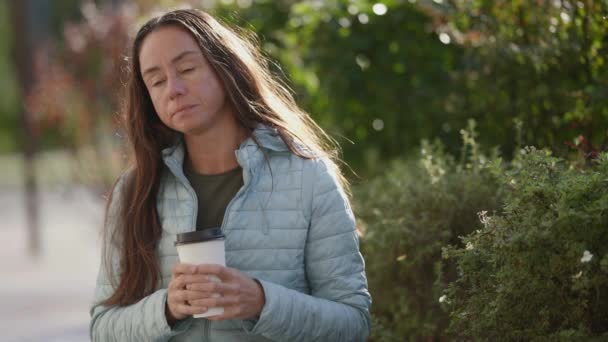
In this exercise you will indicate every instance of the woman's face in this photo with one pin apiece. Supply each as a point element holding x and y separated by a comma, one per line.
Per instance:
<point>185,90</point>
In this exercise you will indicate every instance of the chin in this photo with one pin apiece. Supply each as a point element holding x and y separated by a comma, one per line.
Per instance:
<point>199,123</point>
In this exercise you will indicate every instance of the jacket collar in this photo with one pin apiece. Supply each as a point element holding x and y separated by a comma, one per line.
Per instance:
<point>248,155</point>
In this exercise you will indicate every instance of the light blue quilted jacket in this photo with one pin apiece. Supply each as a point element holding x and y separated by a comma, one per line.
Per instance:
<point>293,230</point>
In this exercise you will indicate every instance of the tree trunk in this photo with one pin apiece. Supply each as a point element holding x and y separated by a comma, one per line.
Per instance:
<point>23,60</point>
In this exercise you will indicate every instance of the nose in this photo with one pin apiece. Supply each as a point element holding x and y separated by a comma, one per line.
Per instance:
<point>176,87</point>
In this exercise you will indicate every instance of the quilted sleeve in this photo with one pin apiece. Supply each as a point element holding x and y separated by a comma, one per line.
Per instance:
<point>338,308</point>
<point>142,321</point>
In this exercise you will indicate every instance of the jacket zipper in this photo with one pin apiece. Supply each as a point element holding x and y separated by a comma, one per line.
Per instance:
<point>246,180</point>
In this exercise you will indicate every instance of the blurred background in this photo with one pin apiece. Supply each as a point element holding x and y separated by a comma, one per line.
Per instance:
<point>432,101</point>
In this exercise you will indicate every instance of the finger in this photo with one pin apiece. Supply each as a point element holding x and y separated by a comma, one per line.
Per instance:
<point>196,278</point>
<point>223,288</point>
<point>176,296</point>
<point>214,269</point>
<point>213,302</point>
<point>181,268</point>
<point>189,310</point>
<point>187,296</point>
<point>177,282</point>
<point>202,287</point>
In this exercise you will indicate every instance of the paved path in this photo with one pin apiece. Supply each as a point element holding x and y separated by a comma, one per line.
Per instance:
<point>47,299</point>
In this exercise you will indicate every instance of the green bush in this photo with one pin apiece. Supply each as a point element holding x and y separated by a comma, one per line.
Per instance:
<point>539,270</point>
<point>407,215</point>
<point>378,79</point>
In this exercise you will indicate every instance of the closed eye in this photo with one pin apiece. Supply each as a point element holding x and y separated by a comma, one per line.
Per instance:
<point>186,71</point>
<point>157,83</point>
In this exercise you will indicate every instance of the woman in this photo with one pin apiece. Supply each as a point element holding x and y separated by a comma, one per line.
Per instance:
<point>217,141</point>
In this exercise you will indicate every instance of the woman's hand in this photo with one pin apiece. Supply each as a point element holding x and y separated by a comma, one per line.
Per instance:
<point>178,296</point>
<point>240,296</point>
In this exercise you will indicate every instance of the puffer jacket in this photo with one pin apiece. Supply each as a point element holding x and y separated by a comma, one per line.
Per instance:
<point>290,227</point>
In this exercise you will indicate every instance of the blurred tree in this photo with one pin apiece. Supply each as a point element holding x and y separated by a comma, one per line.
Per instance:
<point>385,75</point>
<point>77,92</point>
<point>8,86</point>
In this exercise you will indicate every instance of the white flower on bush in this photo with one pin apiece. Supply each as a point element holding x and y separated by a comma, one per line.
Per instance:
<point>483,217</point>
<point>578,275</point>
<point>469,246</point>
<point>443,299</point>
<point>587,256</point>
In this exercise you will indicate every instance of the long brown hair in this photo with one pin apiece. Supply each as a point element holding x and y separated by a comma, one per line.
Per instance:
<point>258,97</point>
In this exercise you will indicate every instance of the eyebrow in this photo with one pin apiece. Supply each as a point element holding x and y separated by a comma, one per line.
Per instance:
<point>175,59</point>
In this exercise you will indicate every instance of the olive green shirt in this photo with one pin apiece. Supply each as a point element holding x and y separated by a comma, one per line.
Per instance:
<point>213,192</point>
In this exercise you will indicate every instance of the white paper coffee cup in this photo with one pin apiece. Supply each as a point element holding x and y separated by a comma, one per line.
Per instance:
<point>203,247</point>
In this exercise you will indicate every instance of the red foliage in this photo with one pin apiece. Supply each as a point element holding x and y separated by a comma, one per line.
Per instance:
<point>77,82</point>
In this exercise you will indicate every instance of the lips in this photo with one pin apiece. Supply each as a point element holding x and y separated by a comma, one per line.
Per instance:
<point>182,109</point>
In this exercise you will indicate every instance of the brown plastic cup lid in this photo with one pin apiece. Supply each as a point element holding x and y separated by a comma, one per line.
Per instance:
<point>199,236</point>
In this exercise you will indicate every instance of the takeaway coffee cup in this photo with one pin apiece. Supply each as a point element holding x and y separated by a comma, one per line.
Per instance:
<point>203,247</point>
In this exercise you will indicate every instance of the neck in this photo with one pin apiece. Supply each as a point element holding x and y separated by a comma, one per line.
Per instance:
<point>212,151</point>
